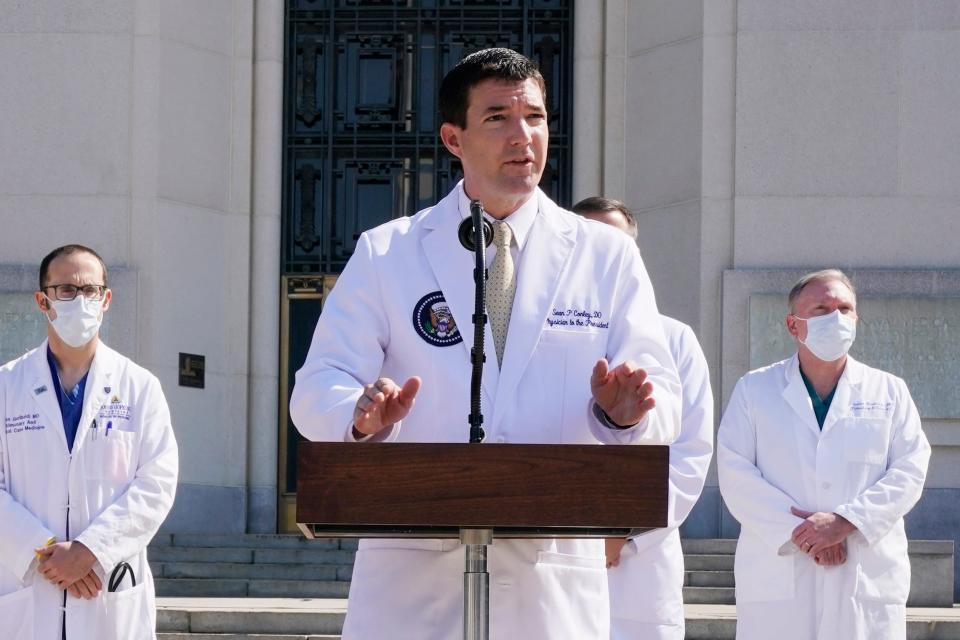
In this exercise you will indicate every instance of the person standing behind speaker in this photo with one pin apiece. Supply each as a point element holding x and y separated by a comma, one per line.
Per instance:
<point>645,573</point>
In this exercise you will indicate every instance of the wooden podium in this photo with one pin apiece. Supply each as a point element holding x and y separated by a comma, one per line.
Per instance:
<point>477,492</point>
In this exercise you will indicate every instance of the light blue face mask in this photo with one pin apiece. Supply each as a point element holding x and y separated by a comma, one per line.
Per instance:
<point>829,337</point>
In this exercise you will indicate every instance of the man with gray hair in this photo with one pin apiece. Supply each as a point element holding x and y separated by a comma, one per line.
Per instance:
<point>819,458</point>
<point>645,574</point>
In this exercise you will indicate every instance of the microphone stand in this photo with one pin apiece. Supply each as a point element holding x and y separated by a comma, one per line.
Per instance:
<point>477,356</point>
<point>476,580</point>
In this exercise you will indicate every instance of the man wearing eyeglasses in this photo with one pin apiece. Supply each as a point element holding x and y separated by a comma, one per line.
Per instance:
<point>88,470</point>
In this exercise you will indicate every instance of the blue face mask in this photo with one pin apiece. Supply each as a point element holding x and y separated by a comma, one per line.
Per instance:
<point>829,337</point>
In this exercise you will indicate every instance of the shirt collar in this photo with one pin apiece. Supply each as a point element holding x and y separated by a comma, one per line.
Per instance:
<point>521,220</point>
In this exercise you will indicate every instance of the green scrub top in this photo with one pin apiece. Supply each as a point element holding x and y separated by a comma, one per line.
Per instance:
<point>820,407</point>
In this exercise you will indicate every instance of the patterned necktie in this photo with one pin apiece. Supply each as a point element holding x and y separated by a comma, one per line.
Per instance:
<point>501,285</point>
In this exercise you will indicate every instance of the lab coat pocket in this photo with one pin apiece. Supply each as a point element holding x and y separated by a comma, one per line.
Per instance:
<point>761,574</point>
<point>566,359</point>
<point>865,440</point>
<point>127,615</point>
<point>16,614</point>
<point>883,571</point>
<point>109,456</point>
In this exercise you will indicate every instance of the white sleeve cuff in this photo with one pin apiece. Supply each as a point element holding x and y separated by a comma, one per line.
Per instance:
<point>603,419</point>
<point>387,435</point>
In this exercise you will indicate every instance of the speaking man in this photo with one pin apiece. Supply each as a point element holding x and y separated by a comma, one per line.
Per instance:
<point>578,356</point>
<point>88,471</point>
<point>820,457</point>
<point>645,573</point>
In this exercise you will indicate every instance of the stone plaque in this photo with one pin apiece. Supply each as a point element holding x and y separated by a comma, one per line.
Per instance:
<point>916,338</point>
<point>23,327</point>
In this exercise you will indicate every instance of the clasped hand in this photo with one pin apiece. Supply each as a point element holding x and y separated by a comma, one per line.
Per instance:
<point>822,536</point>
<point>69,565</point>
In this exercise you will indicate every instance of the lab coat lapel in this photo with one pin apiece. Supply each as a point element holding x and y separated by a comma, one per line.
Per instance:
<point>45,393</point>
<point>795,393</point>
<point>452,266</point>
<point>98,389</point>
<point>542,265</point>
<point>847,386</point>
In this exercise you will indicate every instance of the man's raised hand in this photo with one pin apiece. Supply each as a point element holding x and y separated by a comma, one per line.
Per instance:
<point>383,403</point>
<point>623,392</point>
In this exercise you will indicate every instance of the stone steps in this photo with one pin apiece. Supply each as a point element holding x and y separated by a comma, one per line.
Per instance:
<point>708,562</point>
<point>289,566</point>
<point>250,616</point>
<point>251,571</point>
<point>322,619</point>
<point>239,555</point>
<point>231,588</point>
<point>239,636</point>
<point>709,595</point>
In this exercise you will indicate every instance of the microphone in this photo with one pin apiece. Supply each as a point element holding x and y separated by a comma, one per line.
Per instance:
<point>466,233</point>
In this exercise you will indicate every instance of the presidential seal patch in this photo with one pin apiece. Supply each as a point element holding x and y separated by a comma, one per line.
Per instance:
<point>434,322</point>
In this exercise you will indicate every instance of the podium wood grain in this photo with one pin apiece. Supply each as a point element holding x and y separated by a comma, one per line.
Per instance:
<point>438,488</point>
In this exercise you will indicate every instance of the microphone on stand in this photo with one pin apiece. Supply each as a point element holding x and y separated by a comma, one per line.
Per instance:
<point>467,234</point>
<point>477,227</point>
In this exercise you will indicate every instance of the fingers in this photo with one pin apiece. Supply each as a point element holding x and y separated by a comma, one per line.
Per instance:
<point>612,548</point>
<point>90,583</point>
<point>645,407</point>
<point>798,533</point>
<point>373,398</point>
<point>82,588</point>
<point>383,403</point>
<point>600,374</point>
<point>49,571</point>
<point>832,556</point>
<point>94,579</point>
<point>44,552</point>
<point>409,391</point>
<point>631,375</point>
<point>800,513</point>
<point>74,591</point>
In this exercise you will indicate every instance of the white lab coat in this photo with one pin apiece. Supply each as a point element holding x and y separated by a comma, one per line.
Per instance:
<point>117,489</point>
<point>868,465</point>
<point>646,588</point>
<point>539,589</point>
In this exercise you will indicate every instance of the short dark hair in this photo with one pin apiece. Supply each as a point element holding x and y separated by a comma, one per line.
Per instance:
<point>597,204</point>
<point>497,63</point>
<point>66,250</point>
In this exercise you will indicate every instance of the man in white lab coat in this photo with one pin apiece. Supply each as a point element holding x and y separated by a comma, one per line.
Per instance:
<point>584,361</point>
<point>88,471</point>
<point>645,574</point>
<point>820,457</point>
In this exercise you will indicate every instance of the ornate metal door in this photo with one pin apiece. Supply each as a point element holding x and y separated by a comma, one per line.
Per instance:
<point>361,135</point>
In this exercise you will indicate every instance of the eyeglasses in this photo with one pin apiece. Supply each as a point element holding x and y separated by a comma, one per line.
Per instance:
<point>68,292</point>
